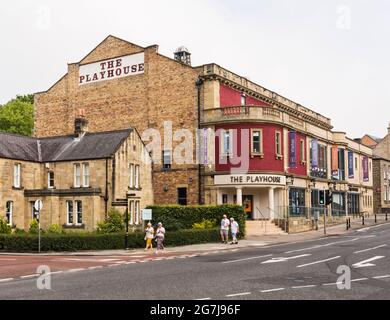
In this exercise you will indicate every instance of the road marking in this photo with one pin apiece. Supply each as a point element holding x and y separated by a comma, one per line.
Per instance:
<point>366,263</point>
<point>382,277</point>
<point>6,280</point>
<point>203,299</point>
<point>333,284</point>
<point>131,262</point>
<point>94,268</point>
<point>75,270</point>
<point>113,265</point>
<point>322,245</point>
<point>370,249</point>
<point>55,272</point>
<point>304,287</point>
<point>29,276</point>
<point>245,259</point>
<point>273,290</point>
<point>281,259</point>
<point>361,279</point>
<point>239,294</point>
<point>317,262</point>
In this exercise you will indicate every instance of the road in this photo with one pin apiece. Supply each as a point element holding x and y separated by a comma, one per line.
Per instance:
<point>305,270</point>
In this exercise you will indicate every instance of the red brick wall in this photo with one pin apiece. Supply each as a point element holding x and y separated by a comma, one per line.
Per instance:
<point>231,97</point>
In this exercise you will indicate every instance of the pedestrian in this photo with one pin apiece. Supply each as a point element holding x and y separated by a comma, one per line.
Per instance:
<point>225,223</point>
<point>160,237</point>
<point>149,235</point>
<point>235,229</point>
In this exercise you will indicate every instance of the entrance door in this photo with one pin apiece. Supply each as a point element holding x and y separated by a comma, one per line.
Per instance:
<point>247,202</point>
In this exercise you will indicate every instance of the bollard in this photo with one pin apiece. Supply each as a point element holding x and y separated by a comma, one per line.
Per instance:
<point>386,216</point>
<point>347,224</point>
<point>376,219</point>
<point>363,219</point>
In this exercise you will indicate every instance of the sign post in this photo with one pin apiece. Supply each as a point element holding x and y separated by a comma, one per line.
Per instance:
<point>147,215</point>
<point>38,205</point>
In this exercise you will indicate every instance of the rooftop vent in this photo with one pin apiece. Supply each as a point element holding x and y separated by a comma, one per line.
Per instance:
<point>183,55</point>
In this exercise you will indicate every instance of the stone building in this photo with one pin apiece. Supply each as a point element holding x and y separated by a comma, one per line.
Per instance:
<point>293,157</point>
<point>78,177</point>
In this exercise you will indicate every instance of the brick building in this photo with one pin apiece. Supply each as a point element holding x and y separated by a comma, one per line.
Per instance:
<point>293,157</point>
<point>78,177</point>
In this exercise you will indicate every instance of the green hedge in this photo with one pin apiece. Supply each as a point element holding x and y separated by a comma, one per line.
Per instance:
<point>184,217</point>
<point>78,242</point>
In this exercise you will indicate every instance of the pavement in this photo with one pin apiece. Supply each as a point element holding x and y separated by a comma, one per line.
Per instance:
<point>298,266</point>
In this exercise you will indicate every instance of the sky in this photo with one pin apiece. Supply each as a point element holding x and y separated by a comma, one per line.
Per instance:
<point>330,56</point>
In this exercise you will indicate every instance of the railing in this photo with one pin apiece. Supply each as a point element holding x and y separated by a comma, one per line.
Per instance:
<point>264,219</point>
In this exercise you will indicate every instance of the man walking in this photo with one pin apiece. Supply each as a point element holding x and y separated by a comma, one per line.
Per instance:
<point>225,223</point>
<point>235,229</point>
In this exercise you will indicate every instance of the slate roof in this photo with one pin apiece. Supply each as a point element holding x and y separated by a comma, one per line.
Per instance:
<point>99,145</point>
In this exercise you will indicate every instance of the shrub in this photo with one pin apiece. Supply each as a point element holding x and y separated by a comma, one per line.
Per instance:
<point>114,223</point>
<point>4,227</point>
<point>205,224</point>
<point>184,217</point>
<point>34,227</point>
<point>91,241</point>
<point>55,229</point>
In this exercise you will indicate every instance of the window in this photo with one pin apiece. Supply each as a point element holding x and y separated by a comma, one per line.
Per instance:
<point>167,159</point>
<point>182,196</point>
<point>85,175</point>
<point>257,142</point>
<point>224,198</point>
<point>79,208</point>
<point>69,212</point>
<point>302,151</point>
<point>243,100</point>
<point>338,204</point>
<point>50,179</point>
<point>137,177</point>
<point>17,179</point>
<point>278,144</point>
<point>77,175</point>
<point>131,218</point>
<point>227,143</point>
<point>356,163</point>
<point>341,156</point>
<point>297,201</point>
<point>137,212</point>
<point>131,169</point>
<point>9,207</point>
<point>321,170</point>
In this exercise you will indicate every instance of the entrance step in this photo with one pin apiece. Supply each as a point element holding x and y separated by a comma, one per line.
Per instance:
<point>262,227</point>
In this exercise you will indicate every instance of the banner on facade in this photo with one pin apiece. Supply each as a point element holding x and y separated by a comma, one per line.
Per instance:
<point>335,162</point>
<point>366,176</point>
<point>206,146</point>
<point>293,149</point>
<point>351,173</point>
<point>314,151</point>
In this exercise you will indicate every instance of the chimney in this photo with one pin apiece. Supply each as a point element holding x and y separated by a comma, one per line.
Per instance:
<point>80,123</point>
<point>183,55</point>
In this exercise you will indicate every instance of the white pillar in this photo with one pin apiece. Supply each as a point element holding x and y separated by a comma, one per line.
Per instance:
<point>239,196</point>
<point>219,197</point>
<point>271,203</point>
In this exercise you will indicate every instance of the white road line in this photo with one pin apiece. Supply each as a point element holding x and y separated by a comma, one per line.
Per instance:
<point>304,287</point>
<point>273,290</point>
<point>56,272</point>
<point>382,277</point>
<point>317,262</point>
<point>29,276</point>
<point>131,262</point>
<point>245,259</point>
<point>322,245</point>
<point>370,249</point>
<point>75,270</point>
<point>283,259</point>
<point>94,268</point>
<point>332,284</point>
<point>113,265</point>
<point>361,279</point>
<point>238,294</point>
<point>203,299</point>
<point>6,280</point>
<point>366,263</point>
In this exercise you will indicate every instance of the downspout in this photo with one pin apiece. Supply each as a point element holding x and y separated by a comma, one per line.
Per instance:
<point>106,192</point>
<point>199,83</point>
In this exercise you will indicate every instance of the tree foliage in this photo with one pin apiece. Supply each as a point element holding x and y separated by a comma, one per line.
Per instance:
<point>17,116</point>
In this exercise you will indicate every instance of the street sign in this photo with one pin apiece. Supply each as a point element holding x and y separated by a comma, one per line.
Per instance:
<point>38,205</point>
<point>147,214</point>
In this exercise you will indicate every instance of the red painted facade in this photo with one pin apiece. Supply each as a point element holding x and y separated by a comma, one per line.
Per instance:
<point>230,97</point>
<point>269,163</point>
<point>301,168</point>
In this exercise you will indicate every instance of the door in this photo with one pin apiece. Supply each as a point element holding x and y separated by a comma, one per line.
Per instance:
<point>247,202</point>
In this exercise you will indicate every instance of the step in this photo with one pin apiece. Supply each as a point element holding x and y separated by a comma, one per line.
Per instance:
<point>258,228</point>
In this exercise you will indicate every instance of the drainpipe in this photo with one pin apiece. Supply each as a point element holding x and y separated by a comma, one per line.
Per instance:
<point>199,83</point>
<point>106,191</point>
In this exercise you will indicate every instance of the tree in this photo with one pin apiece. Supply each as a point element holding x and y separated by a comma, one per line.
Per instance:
<point>17,116</point>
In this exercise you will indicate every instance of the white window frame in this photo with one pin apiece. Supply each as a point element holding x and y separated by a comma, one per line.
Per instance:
<point>278,144</point>
<point>137,212</point>
<point>49,186</point>
<point>243,100</point>
<point>260,132</point>
<point>78,212</point>
<point>302,151</point>
<point>137,176</point>
<point>131,211</point>
<point>77,175</point>
<point>86,175</point>
<point>226,148</point>
<point>9,210</point>
<point>167,165</point>
<point>68,203</point>
<point>131,174</point>
<point>17,175</point>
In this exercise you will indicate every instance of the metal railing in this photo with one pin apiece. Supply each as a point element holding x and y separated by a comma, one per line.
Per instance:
<point>264,219</point>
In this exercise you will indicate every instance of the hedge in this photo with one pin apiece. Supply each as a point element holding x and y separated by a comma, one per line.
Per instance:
<point>78,242</point>
<point>184,217</point>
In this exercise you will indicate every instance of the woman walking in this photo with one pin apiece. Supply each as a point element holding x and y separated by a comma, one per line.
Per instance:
<point>160,237</point>
<point>149,235</point>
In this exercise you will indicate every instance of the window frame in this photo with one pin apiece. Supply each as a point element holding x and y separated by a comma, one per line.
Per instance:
<point>131,175</point>
<point>17,183</point>
<point>137,205</point>
<point>9,211</point>
<point>50,179</point>
<point>77,175</point>
<point>79,212</point>
<point>261,152</point>
<point>302,151</point>
<point>86,178</point>
<point>168,165</point>
<point>278,145</point>
<point>68,222</point>
<point>243,100</point>
<point>137,184</point>
<point>131,212</point>
<point>182,198</point>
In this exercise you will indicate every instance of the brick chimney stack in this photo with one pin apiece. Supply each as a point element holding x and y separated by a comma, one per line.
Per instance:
<point>80,123</point>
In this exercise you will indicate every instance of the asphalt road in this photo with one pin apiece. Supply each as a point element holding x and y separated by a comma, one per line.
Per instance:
<point>305,270</point>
